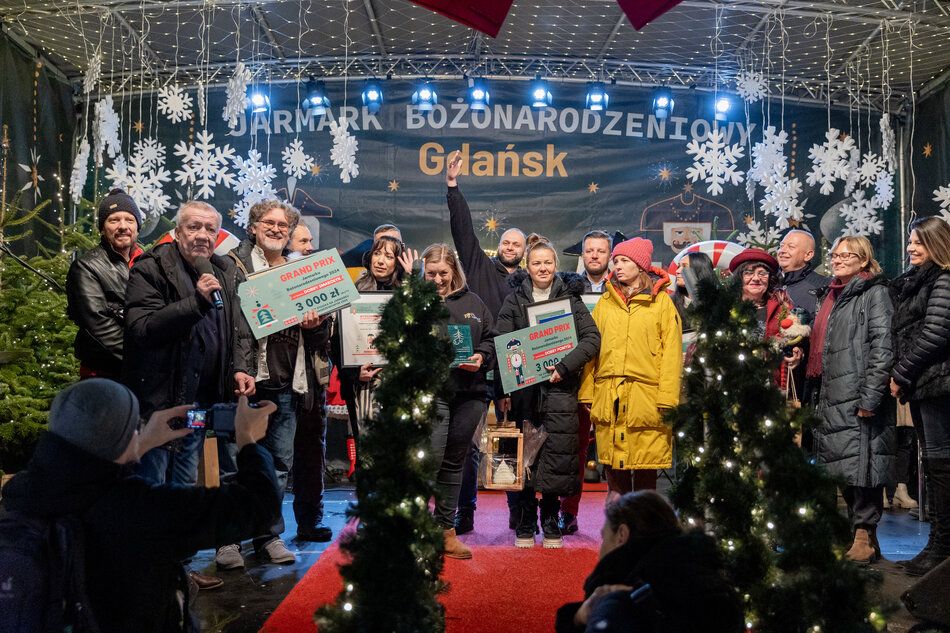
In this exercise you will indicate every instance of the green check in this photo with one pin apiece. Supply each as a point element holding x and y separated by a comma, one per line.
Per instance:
<point>277,298</point>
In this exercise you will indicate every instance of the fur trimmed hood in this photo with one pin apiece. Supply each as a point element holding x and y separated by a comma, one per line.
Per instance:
<point>572,282</point>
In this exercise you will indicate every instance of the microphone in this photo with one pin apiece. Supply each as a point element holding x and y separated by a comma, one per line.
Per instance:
<point>203,265</point>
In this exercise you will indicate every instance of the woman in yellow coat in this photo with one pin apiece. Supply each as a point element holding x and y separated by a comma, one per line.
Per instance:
<point>636,375</point>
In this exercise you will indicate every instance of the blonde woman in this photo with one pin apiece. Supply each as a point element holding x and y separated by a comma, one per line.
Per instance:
<point>921,374</point>
<point>636,376</point>
<point>457,419</point>
<point>850,360</point>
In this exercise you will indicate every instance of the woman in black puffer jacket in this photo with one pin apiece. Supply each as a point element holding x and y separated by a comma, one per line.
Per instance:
<point>552,403</point>
<point>921,372</point>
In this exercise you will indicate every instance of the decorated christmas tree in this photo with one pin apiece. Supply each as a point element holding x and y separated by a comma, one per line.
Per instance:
<point>773,512</point>
<point>392,582</point>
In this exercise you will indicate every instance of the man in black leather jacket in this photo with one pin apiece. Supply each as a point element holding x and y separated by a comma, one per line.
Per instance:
<point>95,287</point>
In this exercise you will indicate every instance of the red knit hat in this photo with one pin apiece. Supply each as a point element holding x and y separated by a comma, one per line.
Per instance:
<point>754,255</point>
<point>638,249</point>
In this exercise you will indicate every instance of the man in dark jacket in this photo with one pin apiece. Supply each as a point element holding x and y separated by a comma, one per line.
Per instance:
<point>135,533</point>
<point>802,282</point>
<point>488,278</point>
<point>178,345</point>
<point>95,287</point>
<point>282,364</point>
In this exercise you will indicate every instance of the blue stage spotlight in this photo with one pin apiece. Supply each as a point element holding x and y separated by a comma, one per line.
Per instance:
<point>723,105</point>
<point>372,96</point>
<point>260,102</point>
<point>597,96</point>
<point>317,100</point>
<point>540,94</point>
<point>663,103</point>
<point>425,97</point>
<point>479,96</point>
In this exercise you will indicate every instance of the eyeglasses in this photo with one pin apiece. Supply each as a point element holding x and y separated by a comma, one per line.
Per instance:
<point>761,274</point>
<point>270,224</point>
<point>843,256</point>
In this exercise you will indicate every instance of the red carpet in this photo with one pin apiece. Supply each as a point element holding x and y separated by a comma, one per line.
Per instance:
<point>501,588</point>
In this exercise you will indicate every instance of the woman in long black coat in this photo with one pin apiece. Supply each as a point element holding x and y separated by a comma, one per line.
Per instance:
<point>552,403</point>
<point>852,356</point>
<point>921,373</point>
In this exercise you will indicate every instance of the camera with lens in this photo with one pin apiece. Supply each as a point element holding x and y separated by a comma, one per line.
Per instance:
<point>219,418</point>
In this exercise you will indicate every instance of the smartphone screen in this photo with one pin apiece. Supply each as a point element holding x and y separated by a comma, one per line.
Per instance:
<point>197,418</point>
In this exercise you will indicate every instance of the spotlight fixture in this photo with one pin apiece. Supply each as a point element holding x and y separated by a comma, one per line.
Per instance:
<point>317,100</point>
<point>372,96</point>
<point>540,94</point>
<point>723,105</point>
<point>260,102</point>
<point>597,96</point>
<point>663,103</point>
<point>479,96</point>
<point>425,97</point>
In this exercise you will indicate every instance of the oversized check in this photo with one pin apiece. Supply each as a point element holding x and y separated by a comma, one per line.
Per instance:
<point>277,298</point>
<point>524,355</point>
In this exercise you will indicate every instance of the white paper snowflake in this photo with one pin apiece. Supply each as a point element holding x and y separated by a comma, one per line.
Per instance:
<point>237,95</point>
<point>829,160</point>
<point>174,103</point>
<point>860,216</point>
<point>344,149</point>
<point>143,183</point>
<point>781,200</point>
<point>204,164</point>
<point>871,166</point>
<point>854,169</point>
<point>77,179</point>
<point>884,190</point>
<point>942,195</point>
<point>253,183</point>
<point>758,236</point>
<point>751,86</point>
<point>93,71</point>
<point>106,129</point>
<point>715,162</point>
<point>768,159</point>
<point>152,152</point>
<point>296,161</point>
<point>888,144</point>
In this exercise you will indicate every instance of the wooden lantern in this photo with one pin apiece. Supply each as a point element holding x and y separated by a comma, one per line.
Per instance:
<point>509,473</point>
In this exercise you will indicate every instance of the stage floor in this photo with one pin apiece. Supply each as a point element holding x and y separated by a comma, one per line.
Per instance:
<point>249,596</point>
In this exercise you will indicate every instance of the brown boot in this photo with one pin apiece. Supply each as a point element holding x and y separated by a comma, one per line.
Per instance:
<point>861,550</point>
<point>454,548</point>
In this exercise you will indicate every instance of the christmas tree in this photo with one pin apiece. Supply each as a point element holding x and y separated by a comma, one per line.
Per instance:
<point>773,512</point>
<point>393,580</point>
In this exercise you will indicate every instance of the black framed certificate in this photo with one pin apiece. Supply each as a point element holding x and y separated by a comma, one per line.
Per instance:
<point>543,311</point>
<point>359,327</point>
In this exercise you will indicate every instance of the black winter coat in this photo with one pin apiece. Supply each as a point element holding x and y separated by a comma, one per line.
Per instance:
<point>553,404</point>
<point>856,363</point>
<point>137,533</point>
<point>95,289</point>
<point>466,308</point>
<point>160,312</point>
<point>487,277</point>
<point>685,573</point>
<point>804,288</point>
<point>921,330</point>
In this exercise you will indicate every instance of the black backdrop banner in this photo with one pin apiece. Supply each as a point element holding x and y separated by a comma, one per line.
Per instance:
<point>559,172</point>
<point>930,147</point>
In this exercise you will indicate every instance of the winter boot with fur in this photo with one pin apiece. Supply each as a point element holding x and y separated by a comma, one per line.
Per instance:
<point>454,548</point>
<point>861,550</point>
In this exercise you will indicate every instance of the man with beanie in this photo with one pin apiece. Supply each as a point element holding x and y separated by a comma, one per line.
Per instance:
<point>487,278</point>
<point>134,533</point>
<point>179,345</point>
<point>283,366</point>
<point>95,287</point>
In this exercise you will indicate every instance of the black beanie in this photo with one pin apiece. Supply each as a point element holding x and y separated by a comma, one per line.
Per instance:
<point>118,200</point>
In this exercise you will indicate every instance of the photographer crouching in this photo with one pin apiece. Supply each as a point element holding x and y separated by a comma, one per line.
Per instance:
<point>134,534</point>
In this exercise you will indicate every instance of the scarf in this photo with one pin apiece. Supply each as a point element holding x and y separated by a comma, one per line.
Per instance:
<point>835,288</point>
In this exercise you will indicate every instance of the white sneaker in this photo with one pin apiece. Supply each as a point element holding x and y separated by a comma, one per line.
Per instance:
<point>276,552</point>
<point>229,557</point>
